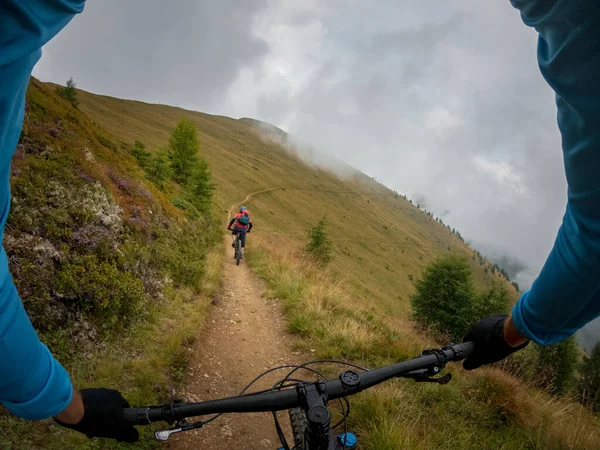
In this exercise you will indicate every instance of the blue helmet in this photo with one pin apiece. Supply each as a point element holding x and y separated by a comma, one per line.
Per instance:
<point>243,208</point>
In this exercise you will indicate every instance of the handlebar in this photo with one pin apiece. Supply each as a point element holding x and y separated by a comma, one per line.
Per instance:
<point>349,383</point>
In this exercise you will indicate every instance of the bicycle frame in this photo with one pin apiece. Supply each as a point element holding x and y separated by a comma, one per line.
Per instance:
<point>312,397</point>
<point>236,246</point>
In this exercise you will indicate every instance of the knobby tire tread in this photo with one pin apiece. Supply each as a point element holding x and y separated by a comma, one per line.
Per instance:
<point>299,424</point>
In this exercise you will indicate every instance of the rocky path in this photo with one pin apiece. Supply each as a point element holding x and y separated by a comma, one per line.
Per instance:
<point>245,334</point>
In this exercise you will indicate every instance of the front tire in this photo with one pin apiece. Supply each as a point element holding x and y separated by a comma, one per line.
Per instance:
<point>299,424</point>
<point>238,253</point>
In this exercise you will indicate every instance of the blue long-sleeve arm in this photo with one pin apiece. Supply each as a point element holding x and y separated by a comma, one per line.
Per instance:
<point>566,295</point>
<point>33,385</point>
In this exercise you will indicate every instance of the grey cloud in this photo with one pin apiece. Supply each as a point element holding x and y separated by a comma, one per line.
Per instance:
<point>183,52</point>
<point>420,96</point>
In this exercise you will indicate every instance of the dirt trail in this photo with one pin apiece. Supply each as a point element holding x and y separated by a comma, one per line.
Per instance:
<point>245,334</point>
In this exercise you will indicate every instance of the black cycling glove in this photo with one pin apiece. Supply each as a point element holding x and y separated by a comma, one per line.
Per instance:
<point>102,416</point>
<point>490,346</point>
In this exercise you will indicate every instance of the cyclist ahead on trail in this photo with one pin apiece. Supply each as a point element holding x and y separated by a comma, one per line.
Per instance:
<point>243,225</point>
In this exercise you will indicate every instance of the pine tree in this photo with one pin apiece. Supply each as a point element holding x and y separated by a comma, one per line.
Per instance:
<point>444,296</point>
<point>199,188</point>
<point>319,245</point>
<point>69,92</point>
<point>183,146</point>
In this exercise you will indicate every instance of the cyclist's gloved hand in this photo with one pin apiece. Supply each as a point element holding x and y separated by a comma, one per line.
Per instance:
<point>102,416</point>
<point>490,346</point>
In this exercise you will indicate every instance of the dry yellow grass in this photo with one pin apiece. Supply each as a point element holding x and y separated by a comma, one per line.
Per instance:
<point>487,408</point>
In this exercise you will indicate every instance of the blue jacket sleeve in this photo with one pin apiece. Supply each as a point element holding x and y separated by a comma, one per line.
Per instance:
<point>33,385</point>
<point>566,295</point>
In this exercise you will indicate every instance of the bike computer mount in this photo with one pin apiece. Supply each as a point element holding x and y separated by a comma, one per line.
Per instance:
<point>426,375</point>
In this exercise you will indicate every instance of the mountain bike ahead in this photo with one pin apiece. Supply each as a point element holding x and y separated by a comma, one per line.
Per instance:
<point>237,247</point>
<point>306,401</point>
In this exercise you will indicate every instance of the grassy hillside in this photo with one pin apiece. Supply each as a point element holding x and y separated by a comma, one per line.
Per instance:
<point>359,307</point>
<point>382,239</point>
<point>114,277</point>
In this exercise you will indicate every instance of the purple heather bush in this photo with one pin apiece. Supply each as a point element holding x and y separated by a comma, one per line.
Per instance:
<point>84,176</point>
<point>123,184</point>
<point>91,236</point>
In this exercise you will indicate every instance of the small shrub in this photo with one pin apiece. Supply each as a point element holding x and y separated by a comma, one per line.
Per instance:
<point>138,151</point>
<point>182,254</point>
<point>494,301</point>
<point>319,245</point>
<point>589,383</point>
<point>186,206</point>
<point>446,300</point>
<point>158,169</point>
<point>556,366</point>
<point>101,289</point>
<point>106,142</point>
<point>444,296</point>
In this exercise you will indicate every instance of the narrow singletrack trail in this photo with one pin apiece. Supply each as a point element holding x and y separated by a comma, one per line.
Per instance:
<point>245,334</point>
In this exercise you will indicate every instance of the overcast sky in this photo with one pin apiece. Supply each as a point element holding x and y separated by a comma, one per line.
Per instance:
<point>442,101</point>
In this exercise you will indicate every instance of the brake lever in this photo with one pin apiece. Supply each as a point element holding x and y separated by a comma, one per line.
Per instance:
<point>164,435</point>
<point>422,376</point>
<point>182,425</point>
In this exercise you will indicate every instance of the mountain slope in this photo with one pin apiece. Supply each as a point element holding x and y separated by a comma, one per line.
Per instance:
<point>358,308</point>
<point>381,238</point>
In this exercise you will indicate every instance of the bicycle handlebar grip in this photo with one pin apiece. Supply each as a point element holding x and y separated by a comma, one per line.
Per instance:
<point>466,350</point>
<point>135,416</point>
